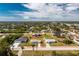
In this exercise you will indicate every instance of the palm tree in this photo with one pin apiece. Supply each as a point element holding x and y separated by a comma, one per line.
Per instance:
<point>33,45</point>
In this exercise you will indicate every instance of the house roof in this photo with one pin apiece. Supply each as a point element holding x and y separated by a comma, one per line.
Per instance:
<point>20,39</point>
<point>50,40</point>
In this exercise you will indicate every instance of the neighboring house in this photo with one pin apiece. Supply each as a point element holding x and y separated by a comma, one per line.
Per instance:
<point>57,33</point>
<point>50,40</point>
<point>35,41</point>
<point>44,31</point>
<point>69,25</point>
<point>77,38</point>
<point>21,40</point>
<point>36,35</point>
<point>71,35</point>
<point>18,41</point>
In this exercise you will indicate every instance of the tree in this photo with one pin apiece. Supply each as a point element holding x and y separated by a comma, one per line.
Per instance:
<point>5,44</point>
<point>5,49</point>
<point>67,41</point>
<point>33,45</point>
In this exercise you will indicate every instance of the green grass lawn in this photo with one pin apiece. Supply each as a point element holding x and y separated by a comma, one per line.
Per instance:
<point>47,36</point>
<point>26,44</point>
<point>57,44</point>
<point>62,44</point>
<point>15,53</point>
<point>51,53</point>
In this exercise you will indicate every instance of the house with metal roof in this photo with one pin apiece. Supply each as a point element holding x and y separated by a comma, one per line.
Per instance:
<point>50,40</point>
<point>22,39</point>
<point>18,41</point>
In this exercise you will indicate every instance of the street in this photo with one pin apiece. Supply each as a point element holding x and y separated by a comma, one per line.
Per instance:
<point>52,48</point>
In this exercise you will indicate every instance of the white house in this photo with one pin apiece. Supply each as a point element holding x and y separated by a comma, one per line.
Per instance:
<point>50,40</point>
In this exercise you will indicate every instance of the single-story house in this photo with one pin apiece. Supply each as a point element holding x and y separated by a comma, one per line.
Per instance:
<point>36,35</point>
<point>50,40</point>
<point>35,41</point>
<point>22,39</point>
<point>72,33</point>
<point>18,41</point>
<point>57,33</point>
<point>15,45</point>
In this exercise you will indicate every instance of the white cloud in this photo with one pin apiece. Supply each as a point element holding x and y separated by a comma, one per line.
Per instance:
<point>35,6</point>
<point>51,11</point>
<point>43,9</point>
<point>72,7</point>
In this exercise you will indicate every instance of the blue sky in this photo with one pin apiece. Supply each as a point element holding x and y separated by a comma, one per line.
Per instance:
<point>39,12</point>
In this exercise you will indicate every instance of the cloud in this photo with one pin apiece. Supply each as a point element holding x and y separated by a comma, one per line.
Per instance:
<point>52,12</point>
<point>42,12</point>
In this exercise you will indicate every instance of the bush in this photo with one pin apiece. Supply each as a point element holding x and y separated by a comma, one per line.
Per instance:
<point>67,41</point>
<point>57,44</point>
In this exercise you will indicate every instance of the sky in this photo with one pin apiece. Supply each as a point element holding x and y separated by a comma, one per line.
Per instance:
<point>39,12</point>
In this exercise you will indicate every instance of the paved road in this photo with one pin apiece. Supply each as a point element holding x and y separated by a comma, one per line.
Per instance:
<point>52,48</point>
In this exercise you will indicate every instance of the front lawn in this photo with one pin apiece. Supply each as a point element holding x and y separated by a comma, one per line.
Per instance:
<point>51,53</point>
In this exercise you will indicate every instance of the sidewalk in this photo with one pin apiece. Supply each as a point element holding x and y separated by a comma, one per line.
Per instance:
<point>20,52</point>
